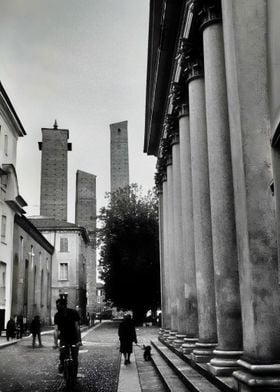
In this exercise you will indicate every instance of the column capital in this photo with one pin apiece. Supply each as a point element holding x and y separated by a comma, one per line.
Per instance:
<point>179,98</point>
<point>165,148</point>
<point>210,13</point>
<point>184,110</point>
<point>171,128</point>
<point>194,69</point>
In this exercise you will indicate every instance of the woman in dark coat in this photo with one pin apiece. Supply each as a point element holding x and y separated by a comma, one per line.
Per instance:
<point>11,329</point>
<point>127,336</point>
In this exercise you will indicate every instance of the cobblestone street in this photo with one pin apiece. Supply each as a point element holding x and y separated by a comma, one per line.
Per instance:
<point>26,369</point>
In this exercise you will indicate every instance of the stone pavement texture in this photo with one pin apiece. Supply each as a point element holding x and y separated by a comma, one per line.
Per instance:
<point>101,368</point>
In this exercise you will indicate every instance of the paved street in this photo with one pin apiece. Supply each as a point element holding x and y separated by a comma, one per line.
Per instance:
<point>25,369</point>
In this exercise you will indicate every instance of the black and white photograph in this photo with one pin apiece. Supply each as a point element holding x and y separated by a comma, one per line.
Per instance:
<point>139,184</point>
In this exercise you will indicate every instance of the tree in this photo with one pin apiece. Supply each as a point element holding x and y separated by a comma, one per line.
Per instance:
<point>129,257</point>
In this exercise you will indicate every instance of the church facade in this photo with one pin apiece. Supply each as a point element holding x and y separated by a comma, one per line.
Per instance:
<point>212,120</point>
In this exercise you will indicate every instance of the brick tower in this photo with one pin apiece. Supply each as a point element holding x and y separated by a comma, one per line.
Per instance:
<point>119,156</point>
<point>85,216</point>
<point>54,147</point>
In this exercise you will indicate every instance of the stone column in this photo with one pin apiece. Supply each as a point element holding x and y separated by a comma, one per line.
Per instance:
<point>190,294</point>
<point>245,27</point>
<point>166,315</point>
<point>229,327</point>
<point>172,306</point>
<point>178,239</point>
<point>159,184</point>
<point>202,218</point>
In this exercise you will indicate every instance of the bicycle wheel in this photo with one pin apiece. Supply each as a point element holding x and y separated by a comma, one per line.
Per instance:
<point>68,373</point>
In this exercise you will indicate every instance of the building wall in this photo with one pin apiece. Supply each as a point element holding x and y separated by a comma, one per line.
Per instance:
<point>119,155</point>
<point>75,257</point>
<point>54,146</point>
<point>31,289</point>
<point>86,217</point>
<point>8,191</point>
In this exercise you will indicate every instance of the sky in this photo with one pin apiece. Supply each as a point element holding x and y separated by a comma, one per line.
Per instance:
<point>83,63</point>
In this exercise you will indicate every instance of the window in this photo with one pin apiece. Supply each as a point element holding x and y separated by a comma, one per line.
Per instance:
<point>42,289</point>
<point>3,228</point>
<point>2,284</point>
<point>34,285</point>
<point>63,271</point>
<point>6,144</point>
<point>63,244</point>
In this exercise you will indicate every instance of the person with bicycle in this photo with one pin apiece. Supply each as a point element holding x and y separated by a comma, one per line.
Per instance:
<point>67,330</point>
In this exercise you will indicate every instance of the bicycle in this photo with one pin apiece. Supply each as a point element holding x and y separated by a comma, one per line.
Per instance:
<point>69,368</point>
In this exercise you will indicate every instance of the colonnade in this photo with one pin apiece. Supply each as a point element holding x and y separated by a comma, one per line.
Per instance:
<point>219,265</point>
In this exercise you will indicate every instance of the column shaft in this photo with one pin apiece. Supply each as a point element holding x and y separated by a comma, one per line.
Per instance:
<point>165,287</point>
<point>190,294</point>
<point>229,328</point>
<point>202,222</point>
<point>246,71</point>
<point>171,251</point>
<point>177,212</point>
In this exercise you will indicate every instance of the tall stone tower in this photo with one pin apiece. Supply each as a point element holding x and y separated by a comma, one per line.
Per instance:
<point>85,216</point>
<point>119,156</point>
<point>54,147</point>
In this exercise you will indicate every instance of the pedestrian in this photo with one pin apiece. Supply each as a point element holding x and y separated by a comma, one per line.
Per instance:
<point>88,318</point>
<point>10,329</point>
<point>20,326</point>
<point>35,329</point>
<point>67,330</point>
<point>127,336</point>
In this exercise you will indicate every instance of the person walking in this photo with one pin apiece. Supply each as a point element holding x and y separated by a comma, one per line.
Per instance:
<point>35,329</point>
<point>20,326</point>
<point>127,336</point>
<point>10,329</point>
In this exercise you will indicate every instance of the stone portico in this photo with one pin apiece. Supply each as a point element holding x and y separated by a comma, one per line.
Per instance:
<point>212,119</point>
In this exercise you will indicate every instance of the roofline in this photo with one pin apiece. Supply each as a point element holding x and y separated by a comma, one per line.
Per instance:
<point>164,29</point>
<point>12,111</point>
<point>35,233</point>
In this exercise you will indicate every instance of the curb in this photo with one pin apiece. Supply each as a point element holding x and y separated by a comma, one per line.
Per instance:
<point>50,331</point>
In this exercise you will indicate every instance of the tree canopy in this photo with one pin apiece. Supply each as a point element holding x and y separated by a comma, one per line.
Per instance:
<point>129,256</point>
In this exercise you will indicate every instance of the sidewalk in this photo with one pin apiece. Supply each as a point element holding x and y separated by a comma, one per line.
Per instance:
<point>130,379</point>
<point>45,330</point>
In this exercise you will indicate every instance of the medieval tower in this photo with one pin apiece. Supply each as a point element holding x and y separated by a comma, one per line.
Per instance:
<point>85,216</point>
<point>54,147</point>
<point>119,156</point>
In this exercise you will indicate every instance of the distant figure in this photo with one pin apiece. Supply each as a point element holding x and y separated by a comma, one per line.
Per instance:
<point>20,326</point>
<point>11,329</point>
<point>127,336</point>
<point>35,329</point>
<point>88,318</point>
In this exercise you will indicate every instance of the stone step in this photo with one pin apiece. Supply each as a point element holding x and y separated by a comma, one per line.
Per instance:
<point>193,381</point>
<point>168,376</point>
<point>223,383</point>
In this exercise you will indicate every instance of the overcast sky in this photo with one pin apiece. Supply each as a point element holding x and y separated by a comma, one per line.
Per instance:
<point>83,63</point>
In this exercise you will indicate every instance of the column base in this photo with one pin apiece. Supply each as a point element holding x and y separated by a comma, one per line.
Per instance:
<point>165,334</point>
<point>203,352</point>
<point>189,345</point>
<point>261,378</point>
<point>179,340</point>
<point>224,362</point>
<point>172,336</point>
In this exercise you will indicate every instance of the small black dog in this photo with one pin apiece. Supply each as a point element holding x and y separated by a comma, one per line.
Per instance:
<point>147,353</point>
